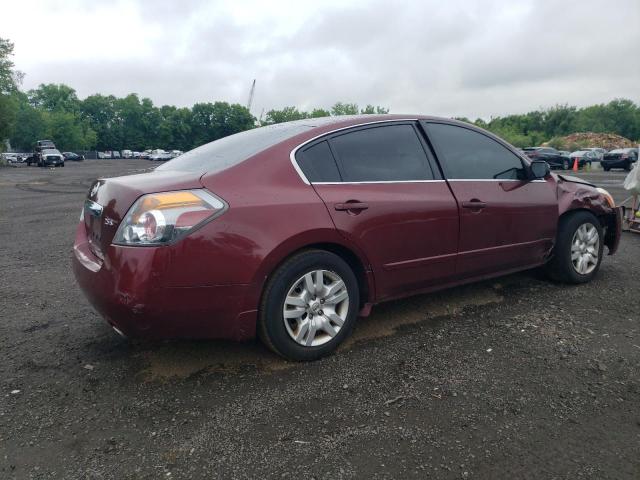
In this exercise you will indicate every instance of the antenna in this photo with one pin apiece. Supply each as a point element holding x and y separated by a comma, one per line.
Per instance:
<point>253,89</point>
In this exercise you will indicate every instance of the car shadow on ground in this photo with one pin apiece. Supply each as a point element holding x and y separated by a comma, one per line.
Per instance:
<point>183,359</point>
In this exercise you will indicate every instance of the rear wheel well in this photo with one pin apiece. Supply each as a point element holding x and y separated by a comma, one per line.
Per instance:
<point>348,256</point>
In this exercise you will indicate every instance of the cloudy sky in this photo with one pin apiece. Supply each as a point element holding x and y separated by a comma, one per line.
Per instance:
<point>451,58</point>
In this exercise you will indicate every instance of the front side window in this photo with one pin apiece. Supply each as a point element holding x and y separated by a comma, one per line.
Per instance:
<point>467,154</point>
<point>382,153</point>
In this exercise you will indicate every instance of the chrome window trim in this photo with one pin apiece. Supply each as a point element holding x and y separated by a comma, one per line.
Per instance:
<point>377,181</point>
<point>492,180</point>
<point>292,155</point>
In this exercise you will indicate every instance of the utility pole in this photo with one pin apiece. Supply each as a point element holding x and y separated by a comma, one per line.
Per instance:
<point>253,89</point>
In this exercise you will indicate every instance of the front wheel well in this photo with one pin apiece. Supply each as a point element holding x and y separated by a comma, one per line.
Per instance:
<point>601,217</point>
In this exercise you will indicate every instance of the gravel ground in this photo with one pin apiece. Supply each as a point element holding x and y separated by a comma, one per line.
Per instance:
<point>511,378</point>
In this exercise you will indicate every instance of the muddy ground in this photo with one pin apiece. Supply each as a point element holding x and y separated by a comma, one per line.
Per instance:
<point>511,378</point>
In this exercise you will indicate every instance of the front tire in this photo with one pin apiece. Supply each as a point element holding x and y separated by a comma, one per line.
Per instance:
<point>577,253</point>
<point>309,306</point>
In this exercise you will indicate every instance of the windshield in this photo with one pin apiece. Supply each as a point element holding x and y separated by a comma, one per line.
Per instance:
<point>49,151</point>
<point>229,151</point>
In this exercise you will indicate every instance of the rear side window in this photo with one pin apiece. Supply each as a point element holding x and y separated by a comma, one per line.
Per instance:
<point>318,164</point>
<point>384,153</point>
<point>466,154</point>
<point>229,151</point>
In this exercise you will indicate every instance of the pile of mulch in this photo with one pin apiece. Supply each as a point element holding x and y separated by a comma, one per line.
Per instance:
<point>608,141</point>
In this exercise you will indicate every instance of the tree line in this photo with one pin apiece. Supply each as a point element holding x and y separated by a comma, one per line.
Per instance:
<point>106,122</point>
<point>620,116</point>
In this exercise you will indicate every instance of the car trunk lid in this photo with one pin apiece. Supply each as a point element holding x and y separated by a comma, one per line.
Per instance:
<point>109,200</point>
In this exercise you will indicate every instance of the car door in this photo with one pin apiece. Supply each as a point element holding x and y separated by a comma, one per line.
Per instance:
<point>384,195</point>
<point>506,220</point>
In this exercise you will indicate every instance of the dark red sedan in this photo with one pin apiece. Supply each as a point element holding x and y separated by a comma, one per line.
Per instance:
<point>292,231</point>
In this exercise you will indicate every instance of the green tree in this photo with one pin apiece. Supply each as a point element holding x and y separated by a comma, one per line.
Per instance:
<point>9,80</point>
<point>319,112</point>
<point>377,110</point>
<point>55,98</point>
<point>340,108</point>
<point>30,125</point>
<point>287,114</point>
<point>211,121</point>
<point>67,132</point>
<point>101,115</point>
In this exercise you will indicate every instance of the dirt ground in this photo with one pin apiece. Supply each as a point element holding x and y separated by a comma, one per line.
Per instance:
<point>511,378</point>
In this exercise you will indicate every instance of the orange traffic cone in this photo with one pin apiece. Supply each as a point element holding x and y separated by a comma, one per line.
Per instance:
<point>575,164</point>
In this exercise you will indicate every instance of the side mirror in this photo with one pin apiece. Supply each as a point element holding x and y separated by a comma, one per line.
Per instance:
<point>539,169</point>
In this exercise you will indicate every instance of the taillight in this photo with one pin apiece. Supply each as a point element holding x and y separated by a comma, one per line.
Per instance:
<point>162,218</point>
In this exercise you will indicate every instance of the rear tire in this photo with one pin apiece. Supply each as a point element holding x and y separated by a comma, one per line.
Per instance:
<point>579,239</point>
<point>606,169</point>
<point>316,321</point>
<point>627,167</point>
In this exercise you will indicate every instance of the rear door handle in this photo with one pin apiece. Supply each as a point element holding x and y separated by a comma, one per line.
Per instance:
<point>353,206</point>
<point>474,204</point>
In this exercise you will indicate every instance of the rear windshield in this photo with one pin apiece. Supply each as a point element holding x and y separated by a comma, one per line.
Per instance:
<point>229,151</point>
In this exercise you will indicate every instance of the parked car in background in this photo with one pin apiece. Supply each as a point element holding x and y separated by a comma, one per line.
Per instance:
<point>292,231</point>
<point>564,153</point>
<point>74,157</point>
<point>585,157</point>
<point>104,155</point>
<point>619,158</point>
<point>11,157</point>
<point>127,154</point>
<point>550,155</point>
<point>599,152</point>
<point>115,154</point>
<point>160,155</point>
<point>51,157</point>
<point>145,154</point>
<point>136,154</point>
<point>176,153</point>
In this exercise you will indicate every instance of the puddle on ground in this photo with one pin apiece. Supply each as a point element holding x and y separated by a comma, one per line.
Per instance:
<point>183,359</point>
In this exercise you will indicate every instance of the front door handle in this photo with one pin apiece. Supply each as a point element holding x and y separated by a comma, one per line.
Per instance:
<point>351,206</point>
<point>474,204</point>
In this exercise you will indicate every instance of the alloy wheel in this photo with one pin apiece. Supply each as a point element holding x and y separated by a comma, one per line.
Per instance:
<point>585,247</point>
<point>316,308</point>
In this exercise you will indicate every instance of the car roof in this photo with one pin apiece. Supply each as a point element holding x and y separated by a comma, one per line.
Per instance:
<point>316,127</point>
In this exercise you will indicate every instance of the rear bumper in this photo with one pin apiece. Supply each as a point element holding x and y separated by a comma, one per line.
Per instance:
<point>127,290</point>
<point>613,223</point>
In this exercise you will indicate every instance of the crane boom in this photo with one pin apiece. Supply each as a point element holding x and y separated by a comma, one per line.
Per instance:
<point>253,89</point>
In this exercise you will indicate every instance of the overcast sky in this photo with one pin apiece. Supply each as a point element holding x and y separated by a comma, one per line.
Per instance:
<point>449,58</point>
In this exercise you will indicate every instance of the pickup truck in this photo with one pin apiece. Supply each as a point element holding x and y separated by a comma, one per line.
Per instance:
<point>36,157</point>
